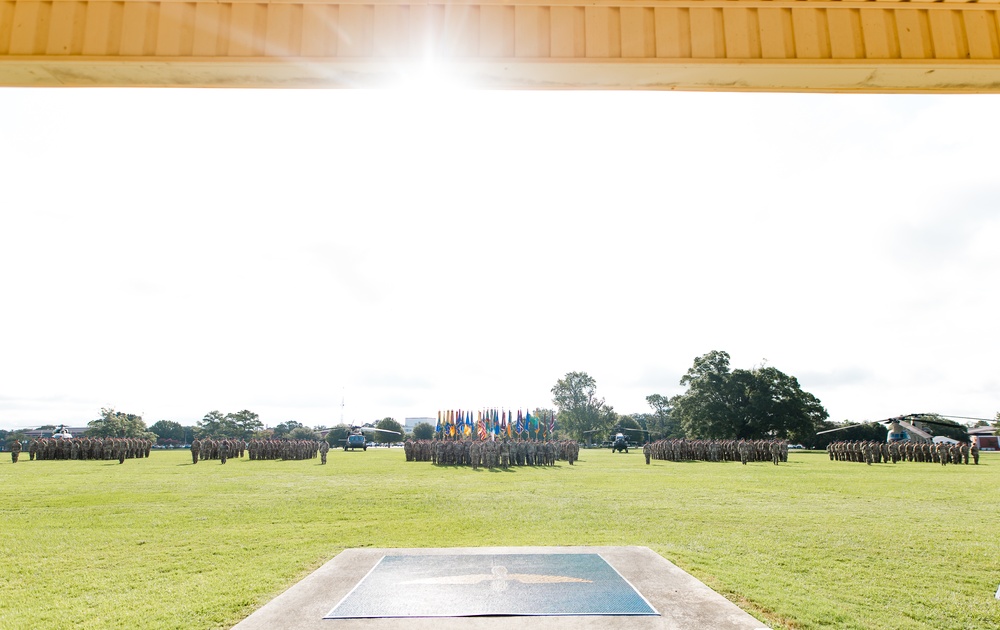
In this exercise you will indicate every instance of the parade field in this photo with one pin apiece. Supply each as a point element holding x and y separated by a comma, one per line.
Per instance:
<point>159,543</point>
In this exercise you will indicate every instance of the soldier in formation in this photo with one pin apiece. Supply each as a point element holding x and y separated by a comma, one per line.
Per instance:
<point>744,451</point>
<point>221,450</point>
<point>90,448</point>
<point>870,452</point>
<point>500,453</point>
<point>285,449</point>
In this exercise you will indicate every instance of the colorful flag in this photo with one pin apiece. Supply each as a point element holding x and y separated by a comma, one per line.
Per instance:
<point>552,423</point>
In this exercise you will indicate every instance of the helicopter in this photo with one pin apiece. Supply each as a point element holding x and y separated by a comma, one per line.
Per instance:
<point>356,439</point>
<point>618,439</point>
<point>62,433</point>
<point>902,428</point>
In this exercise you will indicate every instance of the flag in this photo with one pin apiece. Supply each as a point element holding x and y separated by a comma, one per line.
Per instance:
<point>437,427</point>
<point>481,430</point>
<point>552,423</point>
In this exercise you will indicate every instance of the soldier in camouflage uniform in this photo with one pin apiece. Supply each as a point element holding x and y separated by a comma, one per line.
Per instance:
<point>324,448</point>
<point>475,454</point>
<point>15,450</point>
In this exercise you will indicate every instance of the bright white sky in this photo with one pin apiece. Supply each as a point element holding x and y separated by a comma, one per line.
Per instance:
<point>173,252</point>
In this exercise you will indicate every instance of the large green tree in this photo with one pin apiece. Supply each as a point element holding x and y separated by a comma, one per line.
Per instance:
<point>214,424</point>
<point>388,424</point>
<point>302,433</point>
<point>113,423</point>
<point>423,431</point>
<point>284,429</point>
<point>244,424</point>
<point>662,423</point>
<point>729,404</point>
<point>168,430</point>
<point>580,410</point>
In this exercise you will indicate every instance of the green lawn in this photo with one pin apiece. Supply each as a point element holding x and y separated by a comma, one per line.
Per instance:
<point>159,543</point>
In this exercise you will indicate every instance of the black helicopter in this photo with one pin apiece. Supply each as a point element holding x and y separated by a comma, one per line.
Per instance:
<point>902,428</point>
<point>618,439</point>
<point>356,439</point>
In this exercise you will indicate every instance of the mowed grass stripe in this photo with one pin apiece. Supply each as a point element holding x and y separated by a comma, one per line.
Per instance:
<point>159,543</point>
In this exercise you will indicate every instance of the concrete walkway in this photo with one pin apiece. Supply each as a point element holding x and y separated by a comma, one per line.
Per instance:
<point>684,603</point>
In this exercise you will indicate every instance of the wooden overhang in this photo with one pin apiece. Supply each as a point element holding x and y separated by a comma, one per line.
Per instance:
<point>772,45</point>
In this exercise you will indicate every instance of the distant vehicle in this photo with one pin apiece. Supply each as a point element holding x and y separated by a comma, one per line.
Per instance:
<point>795,446</point>
<point>618,441</point>
<point>357,438</point>
<point>620,444</point>
<point>354,441</point>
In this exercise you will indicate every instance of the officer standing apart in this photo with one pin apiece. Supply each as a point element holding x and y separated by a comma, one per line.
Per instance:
<point>324,448</point>
<point>15,450</point>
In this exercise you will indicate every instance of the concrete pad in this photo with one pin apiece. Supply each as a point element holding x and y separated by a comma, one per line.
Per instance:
<point>683,602</point>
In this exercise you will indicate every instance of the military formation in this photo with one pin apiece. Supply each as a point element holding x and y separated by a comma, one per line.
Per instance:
<point>284,449</point>
<point>89,448</point>
<point>677,450</point>
<point>863,452</point>
<point>222,450</point>
<point>501,453</point>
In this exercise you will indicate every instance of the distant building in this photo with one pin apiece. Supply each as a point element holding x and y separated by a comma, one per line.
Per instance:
<point>410,423</point>
<point>985,438</point>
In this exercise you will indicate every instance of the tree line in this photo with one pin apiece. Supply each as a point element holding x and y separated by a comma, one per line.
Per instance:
<point>720,403</point>
<point>242,425</point>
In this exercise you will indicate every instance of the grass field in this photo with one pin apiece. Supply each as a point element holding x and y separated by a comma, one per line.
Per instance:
<point>159,543</point>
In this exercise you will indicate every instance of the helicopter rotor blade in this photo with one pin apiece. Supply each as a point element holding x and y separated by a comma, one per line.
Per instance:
<point>378,430</point>
<point>850,426</point>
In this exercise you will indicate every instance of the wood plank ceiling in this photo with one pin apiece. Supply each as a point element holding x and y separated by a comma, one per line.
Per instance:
<point>875,46</point>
